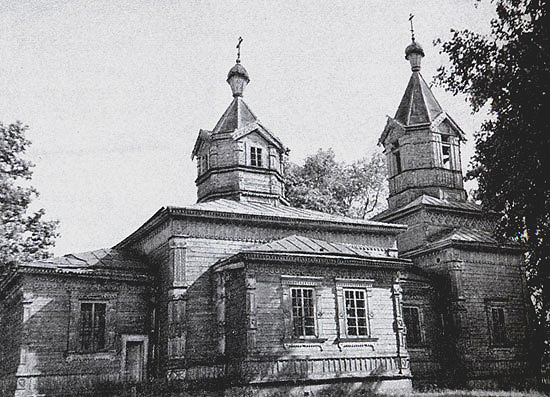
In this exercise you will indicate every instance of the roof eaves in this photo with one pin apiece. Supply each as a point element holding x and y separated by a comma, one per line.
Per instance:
<point>379,226</point>
<point>158,217</point>
<point>316,258</point>
<point>446,243</point>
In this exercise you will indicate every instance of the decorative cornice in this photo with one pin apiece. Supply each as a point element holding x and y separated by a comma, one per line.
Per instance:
<point>245,168</point>
<point>103,275</point>
<point>182,212</point>
<point>313,258</point>
<point>471,245</point>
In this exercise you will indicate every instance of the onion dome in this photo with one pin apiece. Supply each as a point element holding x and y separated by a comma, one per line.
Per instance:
<point>414,54</point>
<point>238,79</point>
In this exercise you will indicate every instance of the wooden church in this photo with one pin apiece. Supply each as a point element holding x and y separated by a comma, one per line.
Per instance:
<point>242,292</point>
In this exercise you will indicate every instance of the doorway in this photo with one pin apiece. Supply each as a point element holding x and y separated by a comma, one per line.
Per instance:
<point>134,358</point>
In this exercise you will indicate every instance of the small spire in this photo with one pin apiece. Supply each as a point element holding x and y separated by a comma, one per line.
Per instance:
<point>238,76</point>
<point>414,52</point>
<point>239,49</point>
<point>411,16</point>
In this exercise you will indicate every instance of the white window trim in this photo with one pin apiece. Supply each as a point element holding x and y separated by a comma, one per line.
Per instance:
<point>289,282</point>
<point>256,157</point>
<point>353,284</point>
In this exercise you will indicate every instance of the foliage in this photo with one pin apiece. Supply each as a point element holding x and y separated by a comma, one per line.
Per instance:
<point>326,185</point>
<point>508,73</point>
<point>23,235</point>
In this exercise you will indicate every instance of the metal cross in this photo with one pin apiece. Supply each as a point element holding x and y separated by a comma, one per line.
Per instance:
<point>411,16</point>
<point>239,50</point>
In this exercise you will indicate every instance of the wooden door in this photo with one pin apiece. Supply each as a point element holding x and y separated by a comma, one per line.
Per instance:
<point>134,361</point>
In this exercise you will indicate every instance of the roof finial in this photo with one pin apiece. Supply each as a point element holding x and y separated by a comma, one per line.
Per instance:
<point>414,51</point>
<point>239,50</point>
<point>411,16</point>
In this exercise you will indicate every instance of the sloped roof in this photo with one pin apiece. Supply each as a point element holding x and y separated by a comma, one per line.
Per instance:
<point>467,235</point>
<point>282,211</point>
<point>418,105</point>
<point>434,201</point>
<point>239,120</point>
<point>306,245</point>
<point>108,260</point>
<point>260,212</point>
<point>431,201</point>
<point>236,116</point>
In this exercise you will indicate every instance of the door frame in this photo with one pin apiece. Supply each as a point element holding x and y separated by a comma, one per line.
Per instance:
<point>144,339</point>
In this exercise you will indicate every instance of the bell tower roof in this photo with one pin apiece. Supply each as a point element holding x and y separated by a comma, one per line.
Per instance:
<point>422,143</point>
<point>418,105</point>
<point>239,159</point>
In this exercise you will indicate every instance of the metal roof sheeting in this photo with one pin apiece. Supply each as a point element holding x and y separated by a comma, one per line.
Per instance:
<point>305,245</point>
<point>102,259</point>
<point>283,211</point>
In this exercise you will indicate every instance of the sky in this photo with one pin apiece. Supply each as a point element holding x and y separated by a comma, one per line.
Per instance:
<point>115,92</point>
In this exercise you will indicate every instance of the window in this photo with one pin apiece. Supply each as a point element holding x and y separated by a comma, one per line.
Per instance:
<point>497,326</point>
<point>255,156</point>
<point>356,312</point>
<point>93,327</point>
<point>411,316</point>
<point>446,151</point>
<point>303,312</point>
<point>203,163</point>
<point>397,158</point>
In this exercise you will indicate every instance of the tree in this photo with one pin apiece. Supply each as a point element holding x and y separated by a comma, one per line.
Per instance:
<point>508,73</point>
<point>326,185</point>
<point>23,236</point>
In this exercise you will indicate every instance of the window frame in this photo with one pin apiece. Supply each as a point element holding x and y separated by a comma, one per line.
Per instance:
<point>343,285</point>
<point>94,348</point>
<point>356,317</point>
<point>420,318</point>
<point>256,156</point>
<point>503,339</point>
<point>74,326</point>
<point>203,164</point>
<point>396,155</point>
<point>303,317</point>
<point>446,145</point>
<point>289,282</point>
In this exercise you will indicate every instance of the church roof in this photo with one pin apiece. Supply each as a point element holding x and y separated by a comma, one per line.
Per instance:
<point>308,251</point>
<point>238,120</point>
<point>418,105</point>
<point>236,116</point>
<point>431,201</point>
<point>107,261</point>
<point>261,212</point>
<point>467,235</point>
<point>437,202</point>
<point>280,211</point>
<point>301,244</point>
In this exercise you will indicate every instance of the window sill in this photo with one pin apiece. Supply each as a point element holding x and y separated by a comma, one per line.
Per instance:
<point>356,339</point>
<point>357,343</point>
<point>300,343</point>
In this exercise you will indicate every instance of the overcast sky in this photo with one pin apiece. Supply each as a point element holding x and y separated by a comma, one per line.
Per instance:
<point>115,92</point>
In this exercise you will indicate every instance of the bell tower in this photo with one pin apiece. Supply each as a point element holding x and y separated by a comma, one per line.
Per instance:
<point>239,159</point>
<point>422,144</point>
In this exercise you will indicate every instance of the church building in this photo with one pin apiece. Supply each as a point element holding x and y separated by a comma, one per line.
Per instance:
<point>241,291</point>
